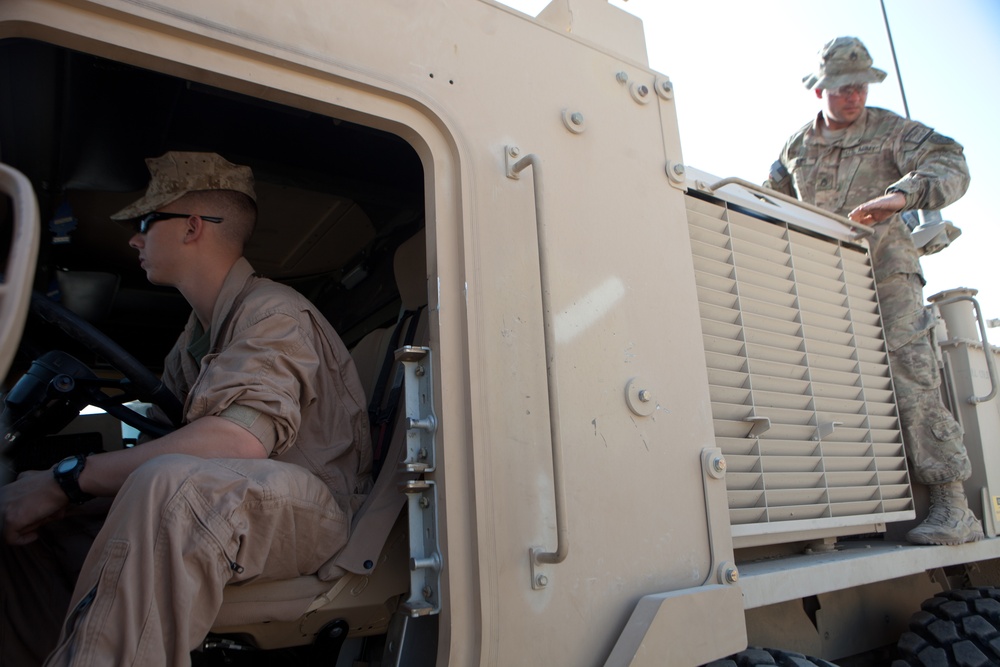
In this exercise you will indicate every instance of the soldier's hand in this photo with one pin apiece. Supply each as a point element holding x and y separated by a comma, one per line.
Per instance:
<point>878,209</point>
<point>29,502</point>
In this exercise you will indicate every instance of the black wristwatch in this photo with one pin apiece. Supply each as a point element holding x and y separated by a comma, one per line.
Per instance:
<point>67,474</point>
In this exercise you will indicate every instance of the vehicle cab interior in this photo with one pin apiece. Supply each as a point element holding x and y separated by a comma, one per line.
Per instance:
<point>341,219</point>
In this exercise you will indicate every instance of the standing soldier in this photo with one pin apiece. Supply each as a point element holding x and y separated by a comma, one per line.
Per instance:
<point>870,164</point>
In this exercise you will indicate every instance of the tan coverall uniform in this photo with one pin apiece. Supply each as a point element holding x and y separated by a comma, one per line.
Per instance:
<point>182,527</point>
<point>882,152</point>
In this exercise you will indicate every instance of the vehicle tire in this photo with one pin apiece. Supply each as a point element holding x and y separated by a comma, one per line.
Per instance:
<point>960,627</point>
<point>752,657</point>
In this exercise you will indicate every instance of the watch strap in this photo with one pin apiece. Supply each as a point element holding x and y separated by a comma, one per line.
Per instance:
<point>69,480</point>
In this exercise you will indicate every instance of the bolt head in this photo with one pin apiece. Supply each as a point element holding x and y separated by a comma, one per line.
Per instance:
<point>719,464</point>
<point>645,395</point>
<point>679,169</point>
<point>514,151</point>
<point>576,118</point>
<point>643,90</point>
<point>542,581</point>
<point>622,77</point>
<point>732,575</point>
<point>667,86</point>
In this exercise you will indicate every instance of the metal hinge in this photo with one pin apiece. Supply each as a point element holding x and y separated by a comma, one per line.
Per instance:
<point>421,494</point>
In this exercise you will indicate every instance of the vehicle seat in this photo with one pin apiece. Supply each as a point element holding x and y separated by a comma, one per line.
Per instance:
<point>364,583</point>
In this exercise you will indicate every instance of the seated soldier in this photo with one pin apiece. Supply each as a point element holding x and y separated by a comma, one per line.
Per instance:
<point>259,482</point>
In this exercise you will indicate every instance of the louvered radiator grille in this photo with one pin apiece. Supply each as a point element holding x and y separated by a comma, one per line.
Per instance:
<point>802,398</point>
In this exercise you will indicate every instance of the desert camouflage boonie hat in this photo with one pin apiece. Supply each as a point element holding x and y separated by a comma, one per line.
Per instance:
<point>177,173</point>
<point>843,61</point>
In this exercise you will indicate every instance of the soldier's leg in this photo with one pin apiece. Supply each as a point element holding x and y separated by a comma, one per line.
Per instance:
<point>932,436</point>
<point>36,581</point>
<point>181,529</point>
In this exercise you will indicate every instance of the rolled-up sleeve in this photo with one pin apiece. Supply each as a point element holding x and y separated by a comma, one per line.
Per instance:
<point>261,380</point>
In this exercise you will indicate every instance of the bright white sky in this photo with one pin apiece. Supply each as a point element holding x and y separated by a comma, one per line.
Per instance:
<point>737,68</point>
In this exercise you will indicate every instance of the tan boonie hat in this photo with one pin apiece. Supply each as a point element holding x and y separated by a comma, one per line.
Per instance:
<point>177,173</point>
<point>843,61</point>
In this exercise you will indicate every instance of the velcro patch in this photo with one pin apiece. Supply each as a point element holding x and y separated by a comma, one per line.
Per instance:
<point>241,415</point>
<point>942,140</point>
<point>918,134</point>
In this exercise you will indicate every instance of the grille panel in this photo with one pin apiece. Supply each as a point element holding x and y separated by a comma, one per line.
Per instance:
<point>802,400</point>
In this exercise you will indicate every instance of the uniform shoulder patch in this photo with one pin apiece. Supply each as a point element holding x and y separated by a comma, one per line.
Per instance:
<point>918,134</point>
<point>941,139</point>
<point>778,171</point>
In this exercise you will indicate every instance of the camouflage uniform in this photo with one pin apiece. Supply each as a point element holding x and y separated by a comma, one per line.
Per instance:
<point>880,153</point>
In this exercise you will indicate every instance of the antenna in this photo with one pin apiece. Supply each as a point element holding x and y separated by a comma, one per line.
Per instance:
<point>895,62</point>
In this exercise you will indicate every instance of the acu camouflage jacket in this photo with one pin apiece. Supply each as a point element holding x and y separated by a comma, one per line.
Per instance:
<point>880,152</point>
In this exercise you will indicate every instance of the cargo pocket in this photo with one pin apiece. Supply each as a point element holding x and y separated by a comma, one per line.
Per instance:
<point>90,615</point>
<point>947,430</point>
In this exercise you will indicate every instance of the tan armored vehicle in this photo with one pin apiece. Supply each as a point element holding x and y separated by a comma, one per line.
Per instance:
<point>642,416</point>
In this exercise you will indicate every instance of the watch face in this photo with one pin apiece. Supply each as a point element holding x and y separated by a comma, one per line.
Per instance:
<point>66,465</point>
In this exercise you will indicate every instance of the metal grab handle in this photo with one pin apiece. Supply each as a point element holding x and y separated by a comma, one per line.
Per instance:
<point>538,556</point>
<point>15,290</point>
<point>990,365</point>
<point>760,189</point>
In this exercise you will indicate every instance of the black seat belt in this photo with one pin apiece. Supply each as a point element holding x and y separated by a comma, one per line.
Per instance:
<point>382,410</point>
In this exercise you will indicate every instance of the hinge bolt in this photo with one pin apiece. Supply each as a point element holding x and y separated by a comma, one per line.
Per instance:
<point>419,371</point>
<point>514,151</point>
<point>667,87</point>
<point>542,581</point>
<point>424,503</point>
<point>622,77</point>
<point>679,169</point>
<point>645,395</point>
<point>642,90</point>
<point>719,464</point>
<point>576,118</point>
<point>732,575</point>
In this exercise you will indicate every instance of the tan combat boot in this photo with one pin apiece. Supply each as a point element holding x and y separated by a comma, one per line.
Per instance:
<point>950,521</point>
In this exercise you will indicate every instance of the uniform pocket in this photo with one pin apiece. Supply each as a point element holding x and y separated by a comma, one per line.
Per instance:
<point>947,430</point>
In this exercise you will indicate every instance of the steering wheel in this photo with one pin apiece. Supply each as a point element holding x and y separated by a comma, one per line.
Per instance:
<point>58,386</point>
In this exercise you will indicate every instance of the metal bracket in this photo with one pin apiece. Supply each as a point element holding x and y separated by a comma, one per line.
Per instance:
<point>418,401</point>
<point>425,557</point>
<point>421,494</point>
<point>759,426</point>
<point>826,428</point>
<point>512,162</point>
<point>538,580</point>
<point>990,365</point>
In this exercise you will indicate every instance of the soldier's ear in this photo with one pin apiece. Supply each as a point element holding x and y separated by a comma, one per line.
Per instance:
<point>819,93</point>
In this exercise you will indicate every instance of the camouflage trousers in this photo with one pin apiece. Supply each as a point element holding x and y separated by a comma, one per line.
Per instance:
<point>932,436</point>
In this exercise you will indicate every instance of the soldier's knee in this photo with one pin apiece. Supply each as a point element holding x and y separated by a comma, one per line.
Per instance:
<point>162,476</point>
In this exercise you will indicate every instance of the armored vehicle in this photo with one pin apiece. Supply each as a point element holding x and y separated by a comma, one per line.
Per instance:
<point>632,413</point>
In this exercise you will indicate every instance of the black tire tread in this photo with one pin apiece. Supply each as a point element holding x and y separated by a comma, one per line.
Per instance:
<point>959,628</point>
<point>767,657</point>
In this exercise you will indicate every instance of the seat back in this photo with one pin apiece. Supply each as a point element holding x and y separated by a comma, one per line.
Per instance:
<point>375,518</point>
<point>351,585</point>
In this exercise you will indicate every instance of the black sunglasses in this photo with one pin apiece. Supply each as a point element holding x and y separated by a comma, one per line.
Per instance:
<point>142,225</point>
